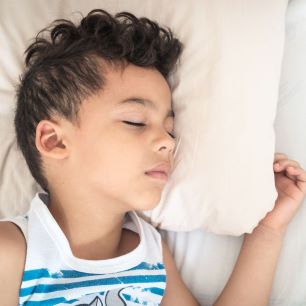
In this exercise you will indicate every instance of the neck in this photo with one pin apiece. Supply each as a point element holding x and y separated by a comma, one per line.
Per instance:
<point>93,230</point>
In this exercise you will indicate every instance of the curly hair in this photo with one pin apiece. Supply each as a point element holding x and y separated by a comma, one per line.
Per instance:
<point>64,69</point>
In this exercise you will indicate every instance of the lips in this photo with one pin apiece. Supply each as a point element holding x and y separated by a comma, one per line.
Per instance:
<point>158,175</point>
<point>160,171</point>
<point>161,167</point>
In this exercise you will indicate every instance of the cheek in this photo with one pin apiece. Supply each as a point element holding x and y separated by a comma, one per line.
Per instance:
<point>113,156</point>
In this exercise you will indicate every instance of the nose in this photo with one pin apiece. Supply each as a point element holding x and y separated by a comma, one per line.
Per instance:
<point>165,144</point>
<point>166,140</point>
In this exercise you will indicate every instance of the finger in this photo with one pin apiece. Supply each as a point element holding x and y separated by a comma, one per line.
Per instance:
<point>298,172</point>
<point>280,156</point>
<point>285,163</point>
<point>298,175</point>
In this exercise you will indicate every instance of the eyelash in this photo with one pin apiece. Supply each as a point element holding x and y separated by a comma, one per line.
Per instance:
<point>139,124</point>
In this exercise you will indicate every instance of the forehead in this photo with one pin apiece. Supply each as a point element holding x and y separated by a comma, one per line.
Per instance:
<point>139,86</point>
<point>146,103</point>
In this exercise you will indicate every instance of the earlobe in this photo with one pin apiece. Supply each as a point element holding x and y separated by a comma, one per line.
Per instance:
<point>49,140</point>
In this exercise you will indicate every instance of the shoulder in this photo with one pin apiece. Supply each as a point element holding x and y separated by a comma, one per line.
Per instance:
<point>171,269</point>
<point>176,292</point>
<point>11,238</point>
<point>12,260</point>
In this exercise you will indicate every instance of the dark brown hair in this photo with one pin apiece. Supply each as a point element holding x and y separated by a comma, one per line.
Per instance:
<point>62,69</point>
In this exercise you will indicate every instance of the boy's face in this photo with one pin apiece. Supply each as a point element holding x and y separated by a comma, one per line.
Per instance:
<point>108,157</point>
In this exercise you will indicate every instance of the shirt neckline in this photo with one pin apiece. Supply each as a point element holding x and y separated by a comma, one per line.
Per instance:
<point>112,265</point>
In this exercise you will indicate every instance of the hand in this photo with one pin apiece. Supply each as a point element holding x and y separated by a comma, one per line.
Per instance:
<point>290,182</point>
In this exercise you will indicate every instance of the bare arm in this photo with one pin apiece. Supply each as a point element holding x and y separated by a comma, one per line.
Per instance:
<point>12,259</point>
<point>176,292</point>
<point>255,268</point>
<point>256,264</point>
<point>252,277</point>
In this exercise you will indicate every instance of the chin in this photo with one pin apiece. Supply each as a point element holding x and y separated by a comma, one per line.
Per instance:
<point>148,205</point>
<point>151,206</point>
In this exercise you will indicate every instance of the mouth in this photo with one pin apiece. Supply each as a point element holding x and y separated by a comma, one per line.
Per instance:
<point>162,176</point>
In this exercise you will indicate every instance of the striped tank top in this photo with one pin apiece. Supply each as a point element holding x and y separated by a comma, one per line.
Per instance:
<point>54,276</point>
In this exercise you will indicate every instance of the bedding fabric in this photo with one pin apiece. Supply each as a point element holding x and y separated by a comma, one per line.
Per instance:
<point>225,100</point>
<point>209,259</point>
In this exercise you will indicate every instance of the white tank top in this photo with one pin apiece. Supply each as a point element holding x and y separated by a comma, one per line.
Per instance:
<point>54,276</point>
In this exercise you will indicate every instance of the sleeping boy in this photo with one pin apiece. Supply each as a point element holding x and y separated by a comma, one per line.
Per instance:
<point>94,121</point>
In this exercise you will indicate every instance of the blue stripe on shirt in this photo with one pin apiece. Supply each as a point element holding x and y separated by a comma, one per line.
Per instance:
<point>45,273</point>
<point>137,279</point>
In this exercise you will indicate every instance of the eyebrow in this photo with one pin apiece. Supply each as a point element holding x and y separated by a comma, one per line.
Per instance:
<point>146,103</point>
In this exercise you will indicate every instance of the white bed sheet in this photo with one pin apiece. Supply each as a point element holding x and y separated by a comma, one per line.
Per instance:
<point>206,260</point>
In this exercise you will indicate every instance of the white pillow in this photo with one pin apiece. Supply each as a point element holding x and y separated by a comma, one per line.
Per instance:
<point>225,104</point>
<point>206,260</point>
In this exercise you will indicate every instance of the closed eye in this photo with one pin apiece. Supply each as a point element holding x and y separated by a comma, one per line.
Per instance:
<point>140,124</point>
<point>134,123</point>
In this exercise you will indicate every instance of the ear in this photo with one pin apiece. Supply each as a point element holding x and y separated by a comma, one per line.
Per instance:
<point>49,140</point>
